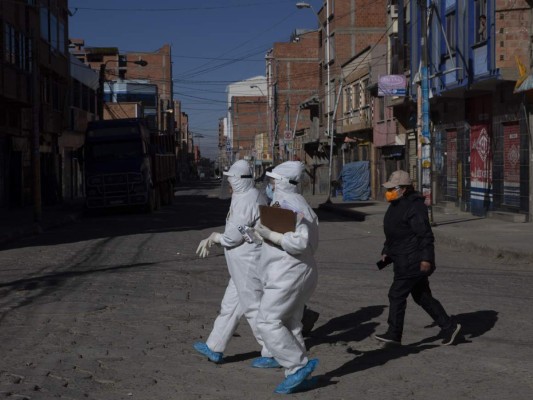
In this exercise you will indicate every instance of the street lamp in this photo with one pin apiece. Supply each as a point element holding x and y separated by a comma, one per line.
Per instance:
<point>267,117</point>
<point>329,128</point>
<point>258,88</point>
<point>101,81</point>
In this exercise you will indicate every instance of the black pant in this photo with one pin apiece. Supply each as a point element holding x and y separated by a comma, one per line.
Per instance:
<point>418,288</point>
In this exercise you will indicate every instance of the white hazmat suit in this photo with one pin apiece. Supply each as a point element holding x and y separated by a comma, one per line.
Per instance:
<point>289,275</point>
<point>244,290</point>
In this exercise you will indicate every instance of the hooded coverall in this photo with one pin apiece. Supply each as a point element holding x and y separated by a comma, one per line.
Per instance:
<point>288,273</point>
<point>244,289</point>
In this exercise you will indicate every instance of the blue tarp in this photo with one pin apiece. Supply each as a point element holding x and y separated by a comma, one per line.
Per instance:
<point>355,178</point>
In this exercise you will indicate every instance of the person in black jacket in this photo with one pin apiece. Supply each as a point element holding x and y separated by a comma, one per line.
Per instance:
<point>409,245</point>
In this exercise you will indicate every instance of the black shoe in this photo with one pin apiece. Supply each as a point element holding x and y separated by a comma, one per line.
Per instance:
<point>308,321</point>
<point>388,337</point>
<point>450,334</point>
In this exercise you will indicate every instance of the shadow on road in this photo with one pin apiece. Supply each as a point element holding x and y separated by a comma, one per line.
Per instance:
<point>190,211</point>
<point>355,326</point>
<point>242,357</point>
<point>327,215</point>
<point>474,324</point>
<point>31,289</point>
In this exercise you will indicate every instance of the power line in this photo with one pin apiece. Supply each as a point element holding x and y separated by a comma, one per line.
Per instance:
<point>205,8</point>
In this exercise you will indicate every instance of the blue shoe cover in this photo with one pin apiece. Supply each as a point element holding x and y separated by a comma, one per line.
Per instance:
<point>265,362</point>
<point>306,385</point>
<point>202,348</point>
<point>292,382</point>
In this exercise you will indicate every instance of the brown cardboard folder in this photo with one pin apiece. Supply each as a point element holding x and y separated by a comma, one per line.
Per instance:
<point>278,219</point>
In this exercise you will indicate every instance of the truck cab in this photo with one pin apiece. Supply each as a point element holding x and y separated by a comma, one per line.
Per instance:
<point>122,163</point>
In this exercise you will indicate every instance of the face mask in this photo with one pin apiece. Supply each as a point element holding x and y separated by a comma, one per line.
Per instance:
<point>269,192</point>
<point>392,195</point>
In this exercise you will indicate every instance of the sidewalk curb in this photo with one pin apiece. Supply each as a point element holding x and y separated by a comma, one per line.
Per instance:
<point>479,248</point>
<point>352,214</point>
<point>443,237</point>
<point>39,228</point>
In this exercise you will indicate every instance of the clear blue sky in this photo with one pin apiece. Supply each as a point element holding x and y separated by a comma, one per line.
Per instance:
<point>214,43</point>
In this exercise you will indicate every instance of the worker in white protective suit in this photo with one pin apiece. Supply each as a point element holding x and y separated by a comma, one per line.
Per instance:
<point>289,276</point>
<point>242,252</point>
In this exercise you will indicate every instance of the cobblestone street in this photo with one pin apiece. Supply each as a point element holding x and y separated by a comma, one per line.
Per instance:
<point>109,307</point>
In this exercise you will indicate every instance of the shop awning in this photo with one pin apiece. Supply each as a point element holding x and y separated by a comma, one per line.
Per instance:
<point>524,84</point>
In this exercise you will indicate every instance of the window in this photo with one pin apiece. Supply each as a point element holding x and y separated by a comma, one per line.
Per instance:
<point>450,30</point>
<point>17,48</point>
<point>76,93</point>
<point>331,48</point>
<point>9,44</point>
<point>481,20</point>
<point>53,32</point>
<point>45,29</point>
<point>357,94</point>
<point>394,54</point>
<point>55,92</point>
<point>84,97</point>
<point>29,55</point>
<point>348,99</point>
<point>381,108</point>
<point>21,51</point>
<point>92,101</point>
<point>61,37</point>
<point>364,93</point>
<point>45,90</point>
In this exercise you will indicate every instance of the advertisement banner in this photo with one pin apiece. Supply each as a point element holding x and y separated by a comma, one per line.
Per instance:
<point>392,85</point>
<point>451,164</point>
<point>480,170</point>
<point>511,164</point>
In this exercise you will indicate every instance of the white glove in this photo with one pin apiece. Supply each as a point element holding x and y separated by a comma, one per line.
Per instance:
<point>203,248</point>
<point>267,234</point>
<point>215,237</point>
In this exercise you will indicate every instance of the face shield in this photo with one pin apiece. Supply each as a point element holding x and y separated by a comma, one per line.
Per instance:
<point>225,188</point>
<point>238,180</point>
<point>281,178</point>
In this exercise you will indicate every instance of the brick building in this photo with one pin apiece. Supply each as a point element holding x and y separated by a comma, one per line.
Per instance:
<point>139,84</point>
<point>480,132</point>
<point>82,106</point>
<point>249,118</point>
<point>352,27</point>
<point>292,78</point>
<point>145,77</point>
<point>34,80</point>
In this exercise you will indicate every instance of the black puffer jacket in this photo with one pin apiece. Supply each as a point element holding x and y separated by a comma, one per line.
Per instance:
<point>408,236</point>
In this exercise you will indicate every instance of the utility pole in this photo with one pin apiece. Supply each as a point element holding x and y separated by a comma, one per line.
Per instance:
<point>101,82</point>
<point>36,133</point>
<point>424,162</point>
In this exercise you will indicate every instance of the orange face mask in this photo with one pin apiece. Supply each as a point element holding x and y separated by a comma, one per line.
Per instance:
<point>391,195</point>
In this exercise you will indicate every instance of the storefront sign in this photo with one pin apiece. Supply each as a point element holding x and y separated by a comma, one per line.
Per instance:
<point>392,85</point>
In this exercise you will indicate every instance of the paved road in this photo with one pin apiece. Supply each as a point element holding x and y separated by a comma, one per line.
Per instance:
<point>109,307</point>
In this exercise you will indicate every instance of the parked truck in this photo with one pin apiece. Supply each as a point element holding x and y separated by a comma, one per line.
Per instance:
<point>126,164</point>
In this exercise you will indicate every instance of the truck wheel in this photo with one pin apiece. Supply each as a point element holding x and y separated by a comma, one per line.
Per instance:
<point>170,193</point>
<point>157,196</point>
<point>164,194</point>
<point>150,205</point>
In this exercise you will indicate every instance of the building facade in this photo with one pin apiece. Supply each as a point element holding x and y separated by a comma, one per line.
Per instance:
<point>480,138</point>
<point>34,100</point>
